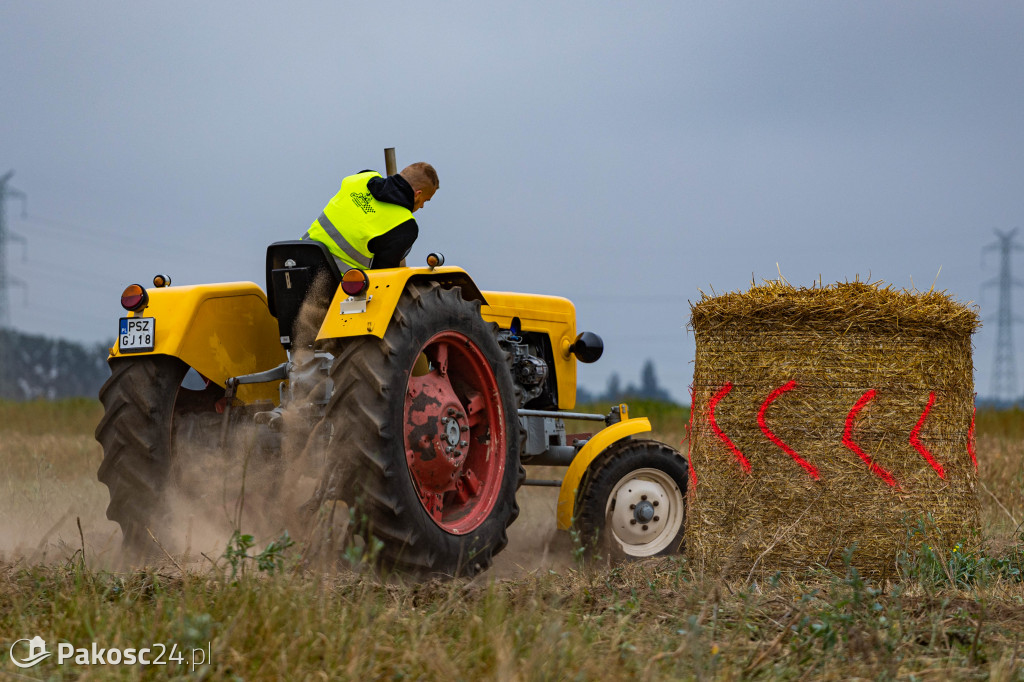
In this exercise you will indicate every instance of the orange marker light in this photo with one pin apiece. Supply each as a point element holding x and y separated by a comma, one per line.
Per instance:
<point>134,298</point>
<point>161,281</point>
<point>354,282</point>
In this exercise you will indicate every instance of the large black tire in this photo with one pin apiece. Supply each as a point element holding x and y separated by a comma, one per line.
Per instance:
<point>632,502</point>
<point>135,432</point>
<point>160,444</point>
<point>381,466</point>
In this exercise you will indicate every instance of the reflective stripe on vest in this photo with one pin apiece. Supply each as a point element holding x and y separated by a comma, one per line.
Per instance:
<point>342,243</point>
<point>361,216</point>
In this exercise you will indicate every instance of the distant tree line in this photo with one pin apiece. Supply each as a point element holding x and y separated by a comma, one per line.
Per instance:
<point>34,367</point>
<point>38,367</point>
<point>649,389</point>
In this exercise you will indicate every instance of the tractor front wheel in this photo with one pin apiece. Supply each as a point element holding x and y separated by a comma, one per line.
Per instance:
<point>632,502</point>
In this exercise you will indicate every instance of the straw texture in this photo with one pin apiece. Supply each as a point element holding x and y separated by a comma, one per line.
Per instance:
<point>827,418</point>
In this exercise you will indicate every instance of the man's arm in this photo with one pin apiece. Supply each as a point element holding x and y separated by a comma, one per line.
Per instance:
<point>391,248</point>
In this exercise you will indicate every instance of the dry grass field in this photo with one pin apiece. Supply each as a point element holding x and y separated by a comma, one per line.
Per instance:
<point>538,614</point>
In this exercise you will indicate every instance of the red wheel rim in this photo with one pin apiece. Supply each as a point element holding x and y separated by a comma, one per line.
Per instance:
<point>455,433</point>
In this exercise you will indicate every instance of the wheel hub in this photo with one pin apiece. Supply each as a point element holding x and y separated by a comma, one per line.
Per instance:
<point>455,441</point>
<point>640,510</point>
<point>452,432</point>
<point>435,449</point>
<point>644,512</point>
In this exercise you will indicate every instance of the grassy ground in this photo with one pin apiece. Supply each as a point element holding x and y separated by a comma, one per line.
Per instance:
<point>541,616</point>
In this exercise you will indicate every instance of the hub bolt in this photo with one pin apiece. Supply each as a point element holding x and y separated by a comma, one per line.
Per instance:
<point>644,527</point>
<point>463,443</point>
<point>643,512</point>
<point>451,411</point>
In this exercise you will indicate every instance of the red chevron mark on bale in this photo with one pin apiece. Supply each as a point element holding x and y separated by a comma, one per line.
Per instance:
<point>849,443</point>
<point>970,438</point>
<point>762,422</point>
<point>689,441</point>
<point>718,432</point>
<point>918,445</point>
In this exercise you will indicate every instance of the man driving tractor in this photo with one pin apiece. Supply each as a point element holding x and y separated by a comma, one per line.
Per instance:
<point>369,223</point>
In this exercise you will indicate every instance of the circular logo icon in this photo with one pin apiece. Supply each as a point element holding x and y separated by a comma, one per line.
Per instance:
<point>36,652</point>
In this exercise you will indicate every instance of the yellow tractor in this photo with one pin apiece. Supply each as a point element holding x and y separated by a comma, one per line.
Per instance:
<point>427,395</point>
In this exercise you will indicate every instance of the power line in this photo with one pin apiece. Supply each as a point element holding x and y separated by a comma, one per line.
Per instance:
<point>86,280</point>
<point>87,236</point>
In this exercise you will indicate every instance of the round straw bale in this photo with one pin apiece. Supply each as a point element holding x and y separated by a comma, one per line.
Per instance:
<point>828,419</point>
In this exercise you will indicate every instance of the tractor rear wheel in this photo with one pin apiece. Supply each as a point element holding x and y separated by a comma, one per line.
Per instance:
<point>138,401</point>
<point>632,502</point>
<point>159,437</point>
<point>426,436</point>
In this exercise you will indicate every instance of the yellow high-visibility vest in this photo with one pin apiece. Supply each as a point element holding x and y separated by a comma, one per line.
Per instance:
<point>352,218</point>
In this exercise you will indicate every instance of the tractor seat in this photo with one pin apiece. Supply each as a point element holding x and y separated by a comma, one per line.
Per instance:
<point>293,268</point>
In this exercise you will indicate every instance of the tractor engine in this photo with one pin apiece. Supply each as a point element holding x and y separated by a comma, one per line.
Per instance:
<point>528,371</point>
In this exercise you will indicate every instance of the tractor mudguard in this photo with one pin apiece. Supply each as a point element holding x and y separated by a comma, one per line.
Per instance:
<point>587,454</point>
<point>551,315</point>
<point>220,330</point>
<point>385,288</point>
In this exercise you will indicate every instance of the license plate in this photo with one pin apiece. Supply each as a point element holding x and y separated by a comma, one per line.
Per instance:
<point>136,334</point>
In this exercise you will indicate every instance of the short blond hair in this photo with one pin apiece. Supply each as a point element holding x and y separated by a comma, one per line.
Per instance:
<point>421,176</point>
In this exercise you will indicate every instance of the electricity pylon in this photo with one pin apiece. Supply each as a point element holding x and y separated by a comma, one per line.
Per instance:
<point>7,281</point>
<point>1004,368</point>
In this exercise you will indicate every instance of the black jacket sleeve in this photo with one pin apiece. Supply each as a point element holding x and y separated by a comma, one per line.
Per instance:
<point>391,247</point>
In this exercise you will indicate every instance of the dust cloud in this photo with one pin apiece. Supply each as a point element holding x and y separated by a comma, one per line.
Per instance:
<point>262,482</point>
<point>215,492</point>
<point>534,542</point>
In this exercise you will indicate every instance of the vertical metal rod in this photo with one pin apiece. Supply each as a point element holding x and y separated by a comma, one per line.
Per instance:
<point>391,168</point>
<point>229,393</point>
<point>390,165</point>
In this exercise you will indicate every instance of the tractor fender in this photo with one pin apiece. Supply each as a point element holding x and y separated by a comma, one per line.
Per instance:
<point>385,288</point>
<point>220,330</point>
<point>587,454</point>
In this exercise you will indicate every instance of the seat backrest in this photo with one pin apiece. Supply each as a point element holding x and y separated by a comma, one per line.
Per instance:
<point>292,268</point>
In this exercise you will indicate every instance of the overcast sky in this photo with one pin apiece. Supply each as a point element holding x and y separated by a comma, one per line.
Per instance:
<point>625,156</point>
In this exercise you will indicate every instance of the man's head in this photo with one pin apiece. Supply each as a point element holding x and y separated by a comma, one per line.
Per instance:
<point>423,179</point>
